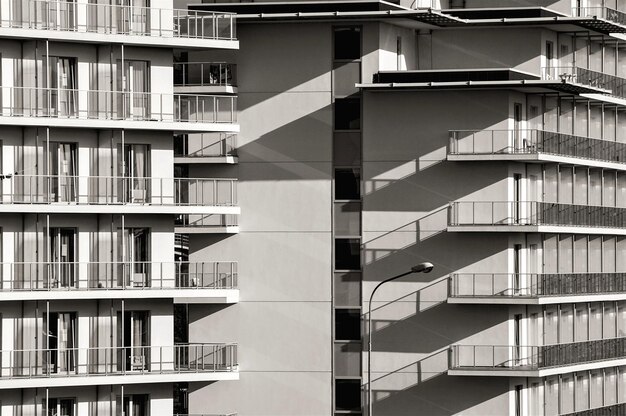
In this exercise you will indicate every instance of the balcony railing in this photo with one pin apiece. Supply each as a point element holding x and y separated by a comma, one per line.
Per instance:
<point>138,275</point>
<point>206,145</point>
<point>108,190</point>
<point>535,213</point>
<point>615,410</point>
<point>118,20</point>
<point>200,74</point>
<point>535,357</point>
<point>117,105</point>
<point>600,12</point>
<point>512,285</point>
<point>588,77</point>
<point>532,141</point>
<point>104,361</point>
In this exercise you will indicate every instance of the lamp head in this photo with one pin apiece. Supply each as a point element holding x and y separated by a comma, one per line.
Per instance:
<point>425,267</point>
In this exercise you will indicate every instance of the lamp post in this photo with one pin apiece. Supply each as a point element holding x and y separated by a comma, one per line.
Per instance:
<point>420,268</point>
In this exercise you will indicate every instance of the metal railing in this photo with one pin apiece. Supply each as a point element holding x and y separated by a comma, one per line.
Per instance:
<point>205,74</point>
<point>584,76</point>
<point>600,12</point>
<point>117,105</point>
<point>103,361</point>
<point>205,145</point>
<point>614,409</point>
<point>535,213</point>
<point>534,284</point>
<point>206,221</point>
<point>118,20</point>
<point>535,357</point>
<point>137,275</point>
<point>109,190</point>
<point>533,141</point>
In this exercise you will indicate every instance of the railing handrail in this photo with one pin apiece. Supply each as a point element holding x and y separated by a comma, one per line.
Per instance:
<point>76,90</point>
<point>538,346</point>
<point>173,346</point>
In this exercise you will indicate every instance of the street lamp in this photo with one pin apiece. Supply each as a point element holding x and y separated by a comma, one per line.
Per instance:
<point>420,268</point>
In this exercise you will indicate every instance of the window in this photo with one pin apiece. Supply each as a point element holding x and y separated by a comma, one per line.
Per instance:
<point>347,148</point>
<point>348,359</point>
<point>347,254</point>
<point>347,218</point>
<point>347,114</point>
<point>347,43</point>
<point>347,183</point>
<point>348,395</point>
<point>347,324</point>
<point>347,289</point>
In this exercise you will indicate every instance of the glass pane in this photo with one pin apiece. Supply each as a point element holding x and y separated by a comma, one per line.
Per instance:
<point>345,76</point>
<point>348,289</point>
<point>347,149</point>
<point>348,359</point>
<point>347,218</point>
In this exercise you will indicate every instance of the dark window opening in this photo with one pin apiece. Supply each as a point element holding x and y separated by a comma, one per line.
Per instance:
<point>348,395</point>
<point>347,254</point>
<point>347,114</point>
<point>347,183</point>
<point>347,324</point>
<point>347,43</point>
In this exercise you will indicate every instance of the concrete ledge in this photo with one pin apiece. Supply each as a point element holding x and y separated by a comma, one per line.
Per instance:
<point>88,37</point>
<point>541,300</point>
<point>537,157</point>
<point>544,372</point>
<point>231,229</point>
<point>197,296</point>
<point>62,208</point>
<point>224,160</point>
<point>128,378</point>
<point>549,229</point>
<point>117,124</point>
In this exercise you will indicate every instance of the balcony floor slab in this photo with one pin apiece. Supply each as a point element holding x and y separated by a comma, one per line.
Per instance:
<point>196,296</point>
<point>542,300</point>
<point>89,37</point>
<point>547,229</point>
<point>217,160</point>
<point>537,158</point>
<point>525,372</point>
<point>64,208</point>
<point>230,229</point>
<point>128,378</point>
<point>177,126</point>
<point>205,89</point>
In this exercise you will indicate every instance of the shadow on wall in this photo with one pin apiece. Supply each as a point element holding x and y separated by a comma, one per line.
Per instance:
<point>426,240</point>
<point>418,323</point>
<point>422,388</point>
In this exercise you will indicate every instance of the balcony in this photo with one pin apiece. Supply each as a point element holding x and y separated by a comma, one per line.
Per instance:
<point>185,282</point>
<point>108,194</point>
<point>534,288</point>
<point>205,77</point>
<point>90,22</point>
<point>605,19</point>
<point>26,106</point>
<point>535,146</point>
<point>536,361</point>
<point>588,77</point>
<point>118,365</point>
<point>531,216</point>
<point>206,148</point>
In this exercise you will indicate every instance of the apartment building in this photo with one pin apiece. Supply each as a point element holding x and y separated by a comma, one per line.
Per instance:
<point>95,215</point>
<point>484,136</point>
